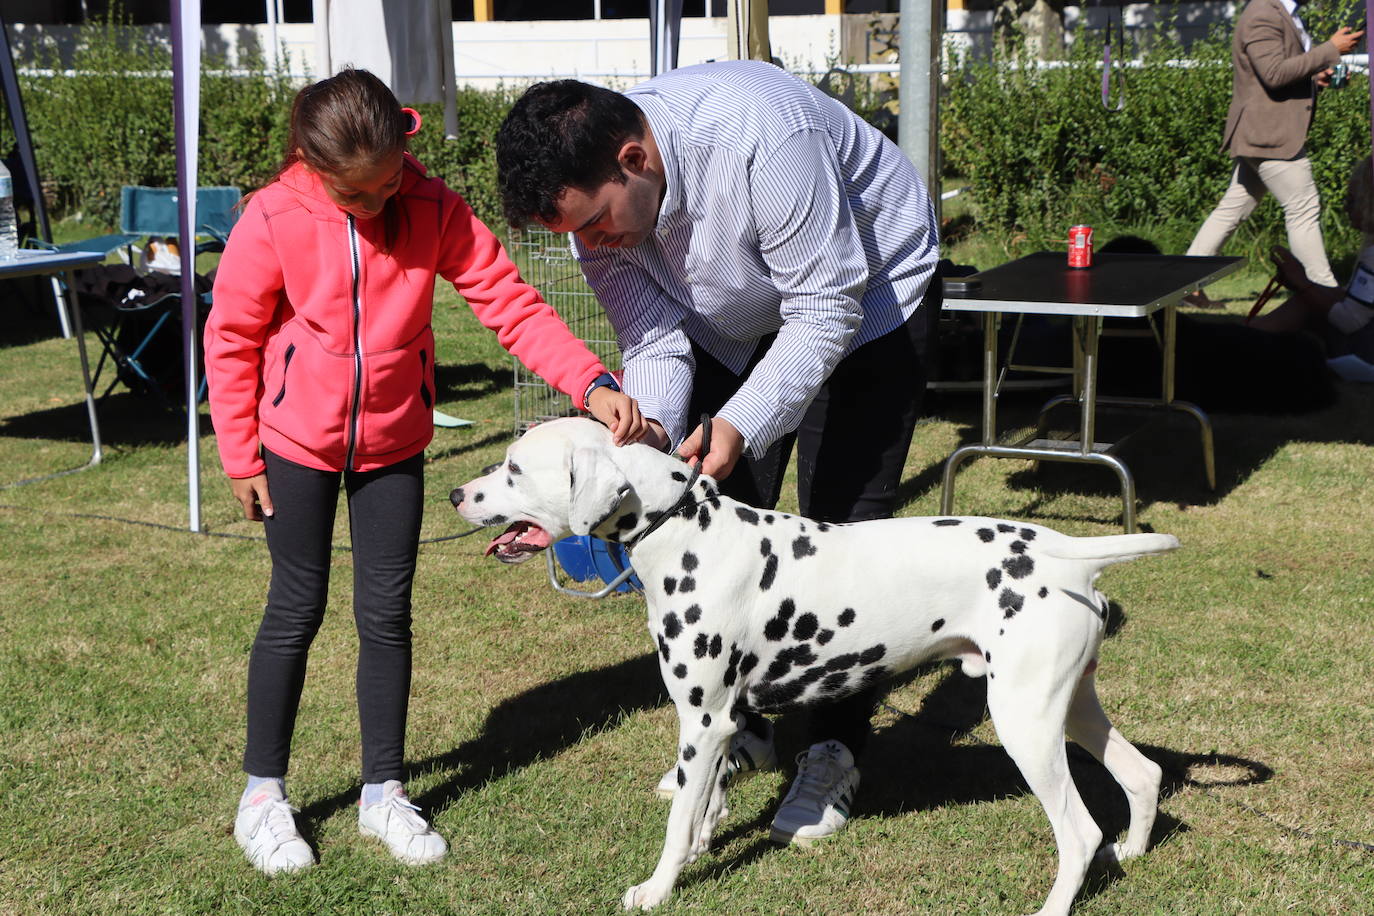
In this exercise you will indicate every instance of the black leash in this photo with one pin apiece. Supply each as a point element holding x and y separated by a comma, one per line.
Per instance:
<point>682,500</point>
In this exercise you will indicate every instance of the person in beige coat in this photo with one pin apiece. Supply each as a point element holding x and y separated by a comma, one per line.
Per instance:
<point>1276,73</point>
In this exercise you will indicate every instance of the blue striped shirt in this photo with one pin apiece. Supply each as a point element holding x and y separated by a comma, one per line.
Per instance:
<point>783,212</point>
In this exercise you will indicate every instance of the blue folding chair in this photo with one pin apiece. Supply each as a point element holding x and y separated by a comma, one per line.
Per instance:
<point>132,338</point>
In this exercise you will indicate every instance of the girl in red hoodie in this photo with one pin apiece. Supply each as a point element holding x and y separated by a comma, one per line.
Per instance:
<point>320,358</point>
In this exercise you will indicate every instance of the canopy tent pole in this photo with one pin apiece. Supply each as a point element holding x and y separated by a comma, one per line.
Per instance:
<point>918,126</point>
<point>665,24</point>
<point>186,102</point>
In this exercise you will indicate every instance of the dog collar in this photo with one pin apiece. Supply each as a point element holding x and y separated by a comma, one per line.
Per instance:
<point>682,500</point>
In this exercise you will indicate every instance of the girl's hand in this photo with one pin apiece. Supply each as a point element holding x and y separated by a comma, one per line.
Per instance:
<point>252,493</point>
<point>620,413</point>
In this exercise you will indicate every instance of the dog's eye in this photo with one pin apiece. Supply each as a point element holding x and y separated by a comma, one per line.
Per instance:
<point>491,467</point>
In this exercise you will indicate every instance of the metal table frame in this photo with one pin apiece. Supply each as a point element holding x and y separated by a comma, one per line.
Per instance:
<point>29,263</point>
<point>1084,296</point>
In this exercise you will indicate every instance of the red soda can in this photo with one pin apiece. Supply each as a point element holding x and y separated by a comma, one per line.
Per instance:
<point>1080,246</point>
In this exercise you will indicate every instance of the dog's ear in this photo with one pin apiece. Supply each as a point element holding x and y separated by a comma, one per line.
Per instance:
<point>598,486</point>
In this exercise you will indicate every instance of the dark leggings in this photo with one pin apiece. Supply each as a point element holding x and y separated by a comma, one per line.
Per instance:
<point>851,449</point>
<point>384,508</point>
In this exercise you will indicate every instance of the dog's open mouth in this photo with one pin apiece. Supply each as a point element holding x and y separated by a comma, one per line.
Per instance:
<point>519,542</point>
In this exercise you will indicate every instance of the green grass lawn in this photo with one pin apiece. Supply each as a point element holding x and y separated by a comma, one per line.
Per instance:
<point>538,727</point>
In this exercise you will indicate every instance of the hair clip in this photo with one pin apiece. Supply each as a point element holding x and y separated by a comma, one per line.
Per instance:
<point>415,121</point>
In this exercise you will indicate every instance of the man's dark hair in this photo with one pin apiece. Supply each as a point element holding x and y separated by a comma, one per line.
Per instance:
<point>559,135</point>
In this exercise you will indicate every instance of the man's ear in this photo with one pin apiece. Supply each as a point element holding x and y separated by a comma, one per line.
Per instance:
<point>633,157</point>
<point>598,487</point>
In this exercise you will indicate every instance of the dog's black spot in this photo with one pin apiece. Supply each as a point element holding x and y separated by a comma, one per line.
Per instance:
<point>627,521</point>
<point>1010,602</point>
<point>747,663</point>
<point>946,522</point>
<point>778,668</point>
<point>514,468</point>
<point>805,627</point>
<point>994,577</point>
<point>787,609</point>
<point>872,654</point>
<point>681,778</point>
<point>765,548</point>
<point>479,497</point>
<point>846,617</point>
<point>1043,592</point>
<point>494,520</point>
<point>679,477</point>
<point>688,584</point>
<point>835,682</point>
<point>1005,528</point>
<point>706,720</point>
<point>986,534</point>
<point>1019,566</point>
<point>768,519</point>
<point>704,518</point>
<point>802,547</point>
<point>1000,632</point>
<point>770,572</point>
<point>699,648</point>
<point>663,648</point>
<point>732,666</point>
<point>1027,534</point>
<point>613,536</point>
<point>991,675</point>
<point>669,584</point>
<point>652,517</point>
<point>873,675</point>
<point>824,636</point>
<point>690,561</point>
<point>934,627</point>
<point>689,752</point>
<point>843,661</point>
<point>672,627</point>
<point>987,656</point>
<point>824,526</point>
<point>800,654</point>
<point>813,674</point>
<point>777,696</point>
<point>680,670</point>
<point>510,481</point>
<point>747,515</point>
<point>692,614</point>
<point>715,645</point>
<point>1018,546</point>
<point>695,696</point>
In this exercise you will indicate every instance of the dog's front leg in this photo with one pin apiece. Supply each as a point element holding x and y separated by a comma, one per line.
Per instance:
<point>700,767</point>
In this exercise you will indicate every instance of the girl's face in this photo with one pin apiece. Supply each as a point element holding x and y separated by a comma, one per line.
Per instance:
<point>364,191</point>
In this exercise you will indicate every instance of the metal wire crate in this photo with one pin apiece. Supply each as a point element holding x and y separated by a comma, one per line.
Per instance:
<point>547,264</point>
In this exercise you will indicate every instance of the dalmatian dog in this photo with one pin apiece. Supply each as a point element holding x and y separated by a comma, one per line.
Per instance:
<point>753,609</point>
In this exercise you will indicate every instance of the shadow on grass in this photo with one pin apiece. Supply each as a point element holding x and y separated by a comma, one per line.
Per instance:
<point>524,729</point>
<point>126,419</point>
<point>468,381</point>
<point>1164,455</point>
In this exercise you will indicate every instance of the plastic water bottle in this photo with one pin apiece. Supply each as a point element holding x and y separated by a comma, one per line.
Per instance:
<point>9,230</point>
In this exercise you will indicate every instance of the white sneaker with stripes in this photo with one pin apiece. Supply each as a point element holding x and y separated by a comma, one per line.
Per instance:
<point>821,797</point>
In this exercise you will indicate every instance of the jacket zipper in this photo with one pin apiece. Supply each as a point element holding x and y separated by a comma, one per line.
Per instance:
<point>356,409</point>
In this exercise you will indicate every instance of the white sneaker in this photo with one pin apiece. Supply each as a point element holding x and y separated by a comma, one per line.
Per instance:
<point>398,824</point>
<point>819,802</point>
<point>749,754</point>
<point>267,832</point>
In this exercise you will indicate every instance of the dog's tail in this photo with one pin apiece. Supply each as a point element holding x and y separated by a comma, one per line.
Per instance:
<point>1114,548</point>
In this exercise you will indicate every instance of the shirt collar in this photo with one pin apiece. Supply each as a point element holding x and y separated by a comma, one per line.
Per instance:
<point>665,138</point>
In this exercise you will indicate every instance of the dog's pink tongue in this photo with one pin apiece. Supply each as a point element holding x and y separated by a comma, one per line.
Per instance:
<point>504,537</point>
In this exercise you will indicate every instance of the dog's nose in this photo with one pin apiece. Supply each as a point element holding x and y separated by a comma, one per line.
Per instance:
<point>456,497</point>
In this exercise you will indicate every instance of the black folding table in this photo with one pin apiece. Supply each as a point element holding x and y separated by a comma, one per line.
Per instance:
<point>1115,286</point>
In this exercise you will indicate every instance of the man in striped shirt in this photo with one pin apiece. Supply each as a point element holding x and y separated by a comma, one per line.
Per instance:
<point>764,256</point>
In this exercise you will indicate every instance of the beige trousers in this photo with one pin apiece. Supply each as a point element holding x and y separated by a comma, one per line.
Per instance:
<point>1290,181</point>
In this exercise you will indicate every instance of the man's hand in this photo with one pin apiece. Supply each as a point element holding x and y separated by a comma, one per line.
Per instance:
<point>726,447</point>
<point>251,492</point>
<point>620,413</point>
<point>1344,40</point>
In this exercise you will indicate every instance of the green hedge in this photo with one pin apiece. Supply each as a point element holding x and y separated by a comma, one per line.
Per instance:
<point>1035,146</point>
<point>1040,152</point>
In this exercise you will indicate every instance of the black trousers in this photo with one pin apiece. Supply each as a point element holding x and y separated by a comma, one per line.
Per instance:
<point>384,510</point>
<point>851,448</point>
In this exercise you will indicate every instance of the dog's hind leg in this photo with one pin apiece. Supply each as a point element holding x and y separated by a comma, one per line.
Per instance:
<point>1138,775</point>
<point>1029,714</point>
<point>700,767</point>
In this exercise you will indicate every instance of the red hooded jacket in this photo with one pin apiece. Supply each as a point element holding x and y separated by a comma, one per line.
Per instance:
<point>319,346</point>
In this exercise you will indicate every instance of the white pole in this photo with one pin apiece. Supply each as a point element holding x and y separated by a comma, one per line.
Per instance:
<point>186,97</point>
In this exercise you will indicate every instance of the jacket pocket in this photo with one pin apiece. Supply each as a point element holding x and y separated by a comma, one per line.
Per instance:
<point>398,397</point>
<point>310,388</point>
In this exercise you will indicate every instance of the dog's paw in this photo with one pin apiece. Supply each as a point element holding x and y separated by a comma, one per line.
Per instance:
<point>1116,853</point>
<point>645,896</point>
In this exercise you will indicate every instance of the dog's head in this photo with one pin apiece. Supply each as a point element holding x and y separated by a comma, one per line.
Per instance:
<point>561,477</point>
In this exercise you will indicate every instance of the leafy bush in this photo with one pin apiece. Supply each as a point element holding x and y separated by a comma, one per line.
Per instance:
<point>1041,153</point>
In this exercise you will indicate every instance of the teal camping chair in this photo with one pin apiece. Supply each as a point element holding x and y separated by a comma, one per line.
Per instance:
<point>140,337</point>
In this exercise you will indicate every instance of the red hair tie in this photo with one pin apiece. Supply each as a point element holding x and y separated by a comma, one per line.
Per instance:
<point>415,121</point>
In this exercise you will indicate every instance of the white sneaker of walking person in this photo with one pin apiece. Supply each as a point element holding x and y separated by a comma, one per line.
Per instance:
<point>821,797</point>
<point>266,829</point>
<point>399,824</point>
<point>749,754</point>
